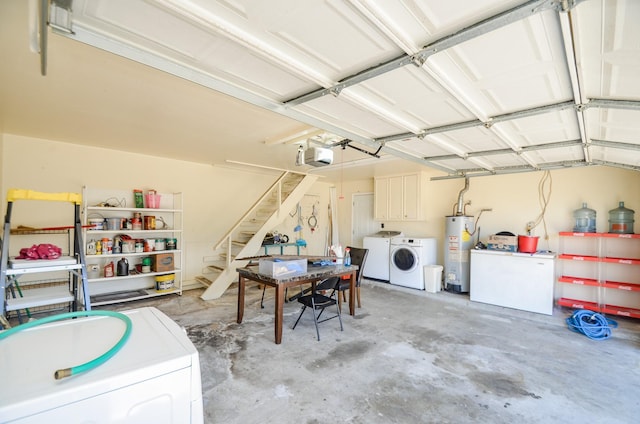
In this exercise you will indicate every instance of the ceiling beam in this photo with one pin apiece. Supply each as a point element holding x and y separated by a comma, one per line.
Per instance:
<point>612,104</point>
<point>476,122</point>
<point>523,149</point>
<point>479,172</point>
<point>617,165</point>
<point>615,144</point>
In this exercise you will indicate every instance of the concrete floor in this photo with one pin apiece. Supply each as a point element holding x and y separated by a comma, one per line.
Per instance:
<point>406,357</point>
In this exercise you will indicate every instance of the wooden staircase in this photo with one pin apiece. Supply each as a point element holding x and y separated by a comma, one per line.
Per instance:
<point>245,238</point>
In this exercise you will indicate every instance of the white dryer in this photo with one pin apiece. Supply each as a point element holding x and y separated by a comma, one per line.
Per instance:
<point>379,245</point>
<point>408,258</point>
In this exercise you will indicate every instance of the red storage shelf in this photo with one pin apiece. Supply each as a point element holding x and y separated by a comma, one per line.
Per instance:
<point>599,280</point>
<point>619,236</point>
<point>578,304</point>
<point>621,311</point>
<point>605,309</point>
<point>623,261</point>
<point>621,285</point>
<point>571,257</point>
<point>600,235</point>
<point>578,280</point>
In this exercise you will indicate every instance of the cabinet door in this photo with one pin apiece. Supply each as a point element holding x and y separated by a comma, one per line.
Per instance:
<point>411,197</point>
<point>396,206</point>
<point>381,194</point>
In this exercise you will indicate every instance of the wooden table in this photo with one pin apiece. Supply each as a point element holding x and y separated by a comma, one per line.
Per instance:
<point>313,275</point>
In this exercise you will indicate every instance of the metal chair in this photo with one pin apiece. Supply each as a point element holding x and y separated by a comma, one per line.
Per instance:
<point>318,301</point>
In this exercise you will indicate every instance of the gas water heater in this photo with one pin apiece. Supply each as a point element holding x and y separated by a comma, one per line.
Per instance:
<point>458,243</point>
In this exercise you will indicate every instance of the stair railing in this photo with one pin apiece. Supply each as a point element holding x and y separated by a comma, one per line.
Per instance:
<point>229,234</point>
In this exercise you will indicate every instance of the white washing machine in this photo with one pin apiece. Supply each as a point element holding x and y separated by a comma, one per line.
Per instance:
<point>408,258</point>
<point>154,378</point>
<point>379,245</point>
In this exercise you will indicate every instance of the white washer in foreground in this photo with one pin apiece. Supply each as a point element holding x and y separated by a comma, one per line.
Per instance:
<point>154,378</point>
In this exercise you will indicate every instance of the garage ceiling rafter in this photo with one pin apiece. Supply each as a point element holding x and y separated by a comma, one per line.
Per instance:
<point>524,149</point>
<point>479,87</point>
<point>478,123</point>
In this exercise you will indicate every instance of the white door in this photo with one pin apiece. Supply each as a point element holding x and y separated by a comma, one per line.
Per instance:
<point>362,223</point>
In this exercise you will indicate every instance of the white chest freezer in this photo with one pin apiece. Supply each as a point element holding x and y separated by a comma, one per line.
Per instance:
<point>515,280</point>
<point>154,378</point>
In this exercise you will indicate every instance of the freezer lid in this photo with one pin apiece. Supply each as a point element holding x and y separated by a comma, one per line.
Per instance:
<point>156,346</point>
<point>549,255</point>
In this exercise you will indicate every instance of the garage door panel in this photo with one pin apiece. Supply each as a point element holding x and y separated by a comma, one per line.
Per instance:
<point>561,154</point>
<point>613,155</point>
<point>549,127</point>
<point>504,160</point>
<point>419,148</point>
<point>618,125</point>
<point>489,69</point>
<point>354,117</point>
<point>471,139</point>
<point>421,22</point>
<point>411,92</point>
<point>608,50</point>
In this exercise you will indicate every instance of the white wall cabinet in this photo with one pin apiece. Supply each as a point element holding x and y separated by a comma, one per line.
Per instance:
<point>513,280</point>
<point>157,245</point>
<point>399,197</point>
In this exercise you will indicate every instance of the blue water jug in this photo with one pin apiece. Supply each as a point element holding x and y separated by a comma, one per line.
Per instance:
<point>621,220</point>
<point>585,220</point>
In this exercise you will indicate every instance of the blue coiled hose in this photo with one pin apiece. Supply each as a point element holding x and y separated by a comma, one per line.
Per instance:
<point>59,374</point>
<point>592,324</point>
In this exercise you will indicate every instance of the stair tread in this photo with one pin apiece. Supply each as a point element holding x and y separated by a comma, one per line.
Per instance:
<point>215,267</point>
<point>269,210</point>
<point>203,280</point>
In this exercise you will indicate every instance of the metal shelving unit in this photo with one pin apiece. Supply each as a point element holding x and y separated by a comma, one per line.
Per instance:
<point>136,285</point>
<point>48,281</point>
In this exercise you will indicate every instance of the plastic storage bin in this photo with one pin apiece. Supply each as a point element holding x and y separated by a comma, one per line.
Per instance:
<point>280,268</point>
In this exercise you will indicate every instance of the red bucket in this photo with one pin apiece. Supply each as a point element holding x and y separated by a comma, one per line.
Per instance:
<point>527,244</point>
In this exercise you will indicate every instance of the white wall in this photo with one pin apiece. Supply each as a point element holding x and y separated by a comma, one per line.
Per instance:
<point>515,201</point>
<point>214,197</point>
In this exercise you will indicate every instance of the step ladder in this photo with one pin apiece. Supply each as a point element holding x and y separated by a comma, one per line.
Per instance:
<point>11,269</point>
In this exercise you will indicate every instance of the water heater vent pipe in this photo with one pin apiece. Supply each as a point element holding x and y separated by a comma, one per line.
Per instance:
<point>460,209</point>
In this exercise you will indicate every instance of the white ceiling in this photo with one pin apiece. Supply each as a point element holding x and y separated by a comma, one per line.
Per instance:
<point>471,87</point>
